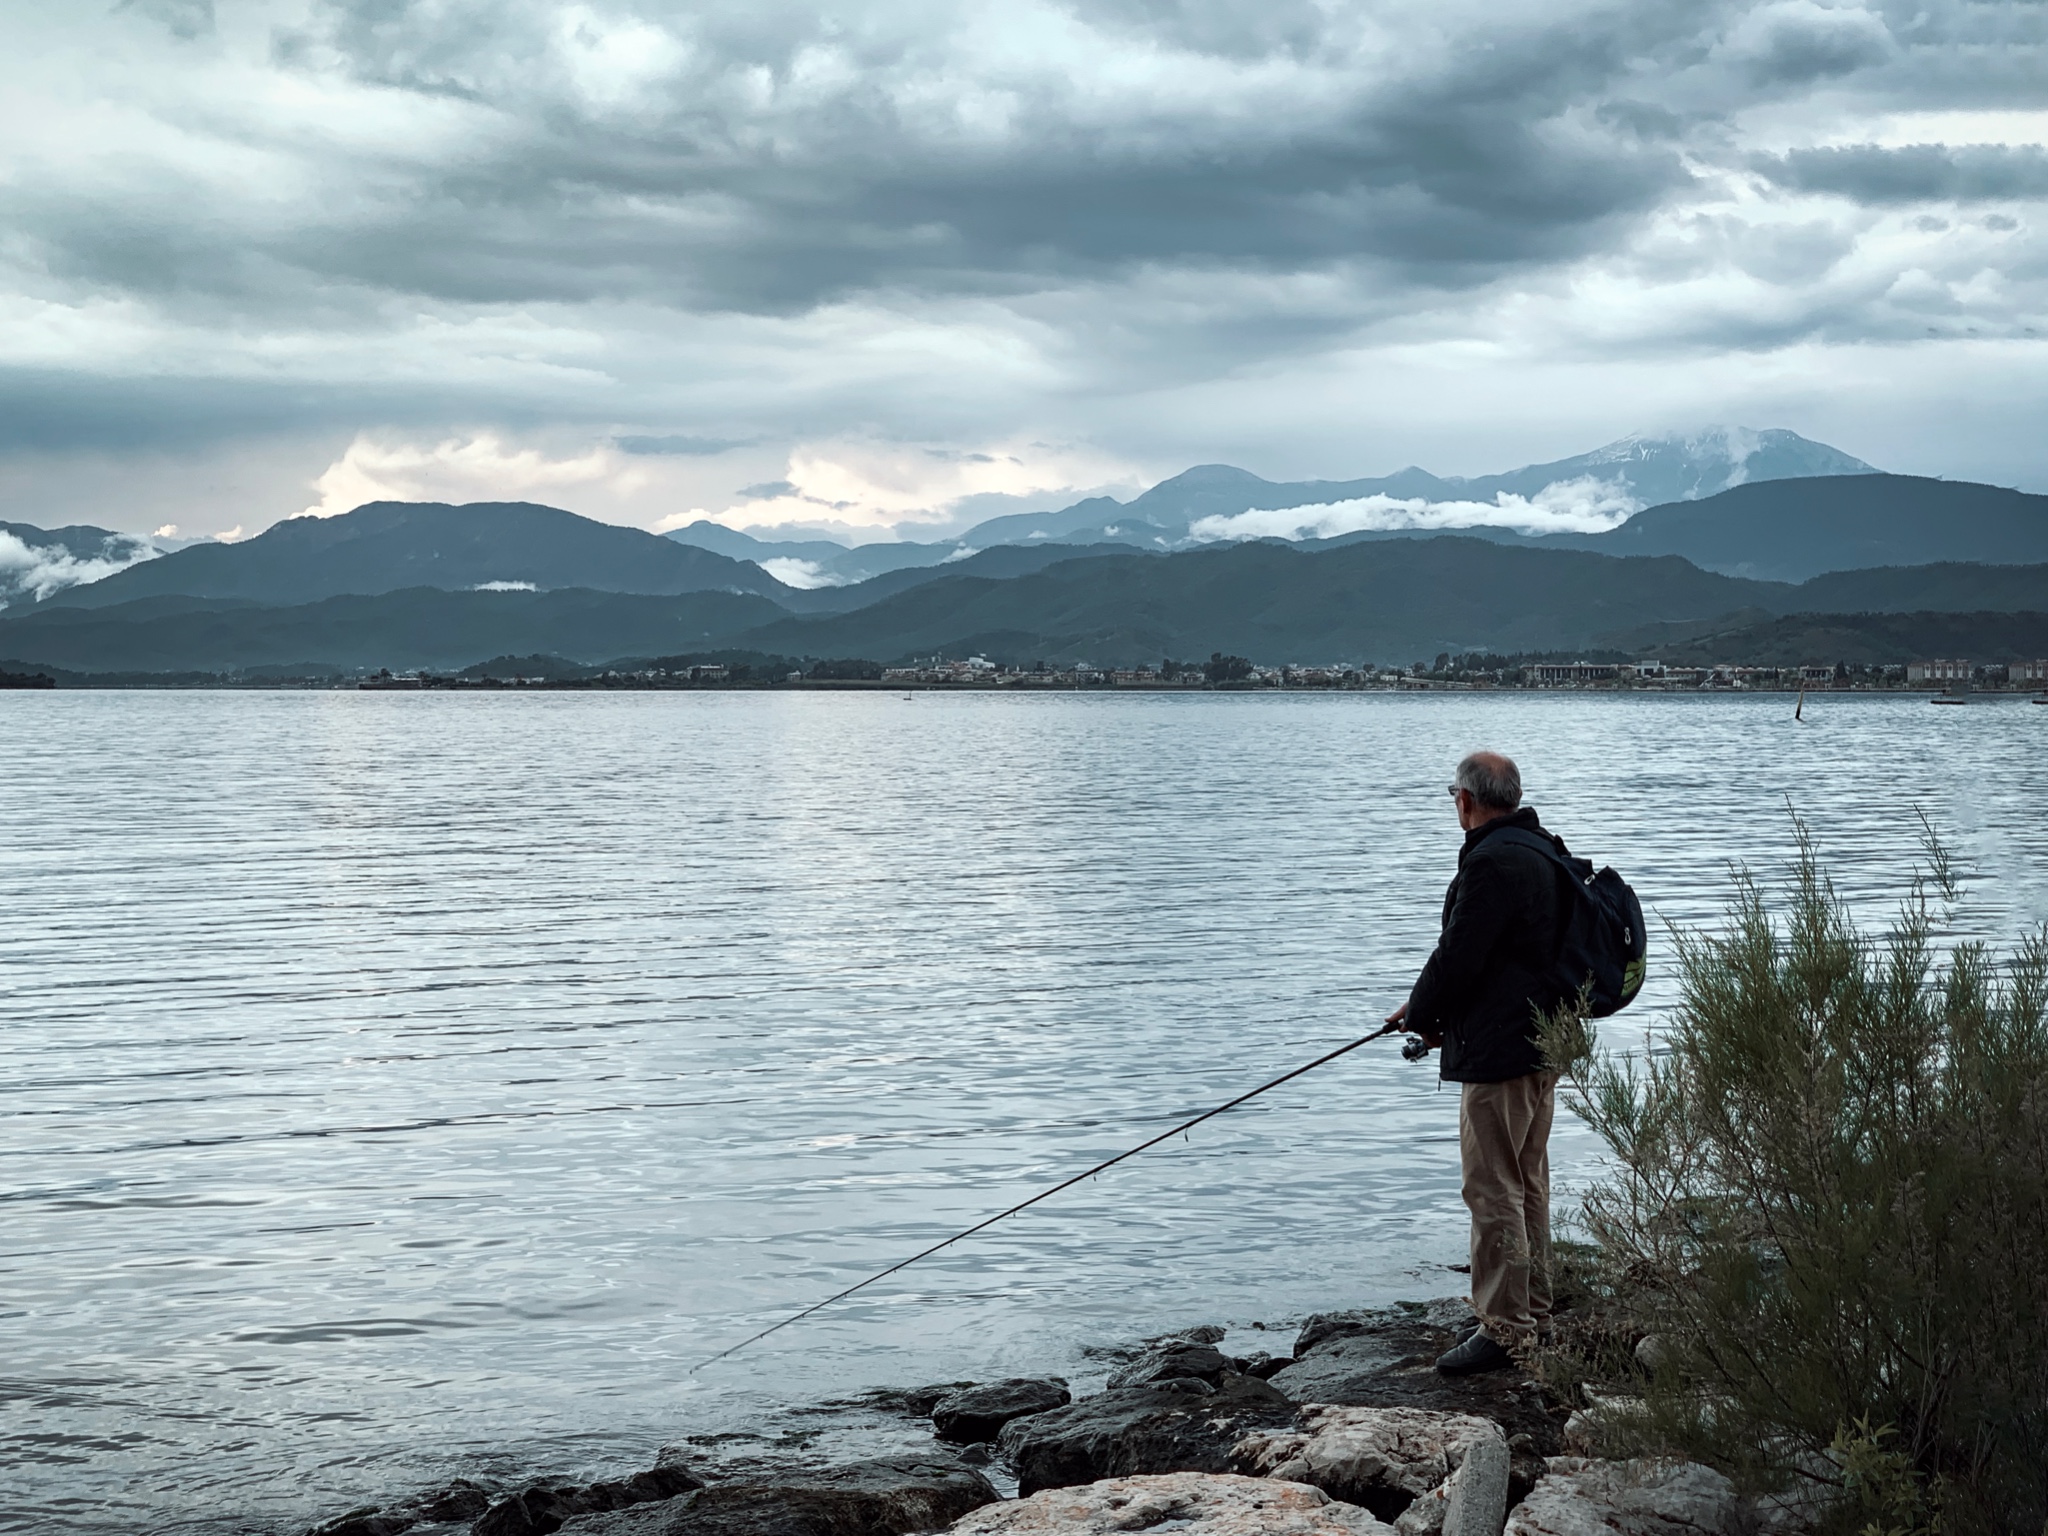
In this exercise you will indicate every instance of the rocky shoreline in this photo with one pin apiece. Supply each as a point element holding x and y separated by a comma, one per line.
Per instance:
<point>1354,1432</point>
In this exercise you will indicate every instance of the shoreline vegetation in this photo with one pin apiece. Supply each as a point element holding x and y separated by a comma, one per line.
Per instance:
<point>1804,1297</point>
<point>752,671</point>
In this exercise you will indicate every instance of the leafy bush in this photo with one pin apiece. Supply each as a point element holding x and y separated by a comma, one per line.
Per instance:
<point>1828,1203</point>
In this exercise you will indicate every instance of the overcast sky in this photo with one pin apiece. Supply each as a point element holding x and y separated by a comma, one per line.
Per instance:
<point>787,262</point>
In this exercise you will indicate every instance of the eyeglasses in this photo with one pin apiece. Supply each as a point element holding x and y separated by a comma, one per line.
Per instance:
<point>1455,791</point>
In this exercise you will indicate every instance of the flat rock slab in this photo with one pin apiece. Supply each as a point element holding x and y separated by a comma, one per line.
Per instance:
<point>1578,1497</point>
<point>1387,1359</point>
<point>891,1496</point>
<point>978,1413</point>
<point>1139,1431</point>
<point>1185,1503</point>
<point>1448,1470</point>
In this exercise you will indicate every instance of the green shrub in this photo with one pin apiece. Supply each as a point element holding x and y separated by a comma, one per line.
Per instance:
<point>1828,1200</point>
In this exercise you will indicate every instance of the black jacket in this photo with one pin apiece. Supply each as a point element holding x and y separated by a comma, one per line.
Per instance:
<point>1497,959</point>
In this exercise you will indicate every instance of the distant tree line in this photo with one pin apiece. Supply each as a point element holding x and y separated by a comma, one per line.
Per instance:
<point>1219,668</point>
<point>849,669</point>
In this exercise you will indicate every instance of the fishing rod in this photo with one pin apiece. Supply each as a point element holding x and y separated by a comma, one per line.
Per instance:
<point>982,1226</point>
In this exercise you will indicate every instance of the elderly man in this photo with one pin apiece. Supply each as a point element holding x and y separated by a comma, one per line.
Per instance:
<point>1494,968</point>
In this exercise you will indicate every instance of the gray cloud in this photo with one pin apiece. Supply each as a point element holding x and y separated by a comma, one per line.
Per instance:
<point>1473,160</point>
<point>679,443</point>
<point>185,19</point>
<point>1917,173</point>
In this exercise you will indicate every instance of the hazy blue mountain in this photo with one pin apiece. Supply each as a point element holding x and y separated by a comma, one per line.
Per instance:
<point>1677,467</point>
<point>418,627</point>
<point>36,562</point>
<point>1650,470</point>
<point>836,579</point>
<point>735,545</point>
<point>1647,470</point>
<point>1000,562</point>
<point>386,546</point>
<point>816,562</point>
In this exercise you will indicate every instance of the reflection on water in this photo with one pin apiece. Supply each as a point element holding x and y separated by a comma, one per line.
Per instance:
<point>402,1085</point>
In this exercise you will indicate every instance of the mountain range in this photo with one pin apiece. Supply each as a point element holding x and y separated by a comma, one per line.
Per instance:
<point>1622,477</point>
<point>433,585</point>
<point>1391,600</point>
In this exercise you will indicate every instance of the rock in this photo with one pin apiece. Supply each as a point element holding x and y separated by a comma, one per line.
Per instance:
<point>1201,1333</point>
<point>886,1497</point>
<point>920,1401</point>
<point>459,1500</point>
<point>546,1507</point>
<point>1578,1497</point>
<point>1449,1471</point>
<point>979,1412</point>
<point>1472,1501</point>
<point>1174,1359</point>
<point>1387,1359</point>
<point>1186,1503</point>
<point>1653,1352</point>
<point>1330,1371</point>
<point>1139,1430</point>
<point>1261,1365</point>
<point>1449,1313</point>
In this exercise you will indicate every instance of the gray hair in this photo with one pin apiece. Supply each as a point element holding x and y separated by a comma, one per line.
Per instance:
<point>1494,781</point>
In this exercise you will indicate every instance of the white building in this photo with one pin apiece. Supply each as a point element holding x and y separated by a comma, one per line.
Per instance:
<point>1937,671</point>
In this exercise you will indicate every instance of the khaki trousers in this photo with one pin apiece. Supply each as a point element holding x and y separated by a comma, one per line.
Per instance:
<point>1504,1136</point>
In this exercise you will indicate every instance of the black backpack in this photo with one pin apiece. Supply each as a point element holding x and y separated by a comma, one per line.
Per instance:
<point>1602,941</point>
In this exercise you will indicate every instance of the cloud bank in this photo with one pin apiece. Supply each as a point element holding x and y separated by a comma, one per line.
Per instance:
<point>639,255</point>
<point>34,571</point>
<point>1584,505</point>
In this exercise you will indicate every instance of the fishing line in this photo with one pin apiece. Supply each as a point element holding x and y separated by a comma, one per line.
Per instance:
<point>982,1226</point>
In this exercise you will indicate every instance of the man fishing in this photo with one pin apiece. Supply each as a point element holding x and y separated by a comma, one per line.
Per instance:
<point>1494,967</point>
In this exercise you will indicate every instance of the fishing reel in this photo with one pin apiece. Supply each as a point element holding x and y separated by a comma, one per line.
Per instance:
<point>1414,1049</point>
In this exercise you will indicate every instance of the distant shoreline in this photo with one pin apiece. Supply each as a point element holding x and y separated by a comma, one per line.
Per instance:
<point>186,683</point>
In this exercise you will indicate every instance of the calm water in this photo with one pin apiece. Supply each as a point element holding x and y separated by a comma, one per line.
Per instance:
<point>401,1086</point>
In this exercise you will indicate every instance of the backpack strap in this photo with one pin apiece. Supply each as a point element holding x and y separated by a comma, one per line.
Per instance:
<point>1564,864</point>
<point>1541,843</point>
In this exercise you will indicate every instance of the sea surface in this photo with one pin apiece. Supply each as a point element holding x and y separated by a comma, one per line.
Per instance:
<point>400,1086</point>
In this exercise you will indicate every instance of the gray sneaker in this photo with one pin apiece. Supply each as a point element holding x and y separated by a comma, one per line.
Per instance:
<point>1478,1353</point>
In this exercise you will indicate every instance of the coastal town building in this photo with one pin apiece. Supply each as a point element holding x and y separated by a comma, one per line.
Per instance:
<point>1564,673</point>
<point>1937,671</point>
